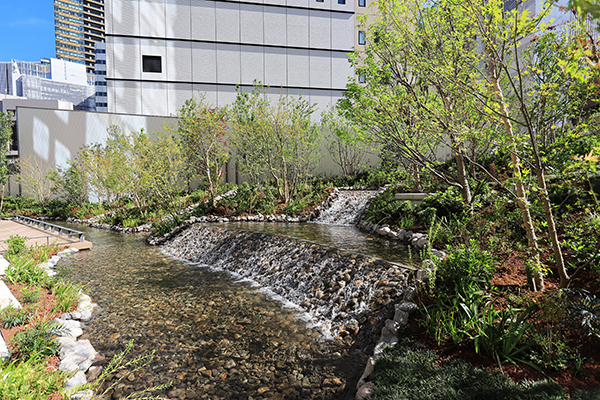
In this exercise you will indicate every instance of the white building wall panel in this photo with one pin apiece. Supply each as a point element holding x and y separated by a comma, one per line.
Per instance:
<point>298,68</point>
<point>108,18</point>
<point>154,98</point>
<point>297,28</point>
<point>342,31</point>
<point>341,70</point>
<point>252,23</point>
<point>179,61</point>
<point>153,47</point>
<point>208,91</point>
<point>322,98</point>
<point>299,3</point>
<point>125,59</point>
<point>226,95</point>
<point>275,67</point>
<point>320,69</point>
<point>204,62</point>
<point>179,24</point>
<point>178,94</point>
<point>125,17</point>
<point>228,63</point>
<point>275,26</point>
<point>127,98</point>
<point>152,18</point>
<point>252,64</point>
<point>276,2</point>
<point>320,29</point>
<point>324,5</point>
<point>228,22</point>
<point>203,20</point>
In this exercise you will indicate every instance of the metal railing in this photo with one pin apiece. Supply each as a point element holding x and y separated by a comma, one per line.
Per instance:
<point>53,228</point>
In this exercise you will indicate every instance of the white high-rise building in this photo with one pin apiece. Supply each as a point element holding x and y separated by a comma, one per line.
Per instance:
<point>160,53</point>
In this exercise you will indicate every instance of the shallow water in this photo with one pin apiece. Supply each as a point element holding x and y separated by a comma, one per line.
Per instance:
<point>214,338</point>
<point>345,237</point>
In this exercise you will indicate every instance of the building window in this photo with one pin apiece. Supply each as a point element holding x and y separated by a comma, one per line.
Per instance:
<point>361,78</point>
<point>362,3</point>
<point>361,37</point>
<point>151,64</point>
<point>341,1</point>
<point>319,1</point>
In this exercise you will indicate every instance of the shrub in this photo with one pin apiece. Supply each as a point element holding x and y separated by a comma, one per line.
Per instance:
<point>465,267</point>
<point>37,342</point>
<point>30,295</point>
<point>12,317</point>
<point>67,294</point>
<point>29,381</point>
<point>446,204</point>
<point>16,245</point>
<point>25,271</point>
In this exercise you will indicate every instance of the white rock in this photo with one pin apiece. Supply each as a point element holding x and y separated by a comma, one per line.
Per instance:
<point>87,394</point>
<point>78,355</point>
<point>76,380</point>
<point>72,327</point>
<point>383,231</point>
<point>54,260</point>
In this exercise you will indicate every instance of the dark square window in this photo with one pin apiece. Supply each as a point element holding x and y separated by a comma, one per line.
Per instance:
<point>341,1</point>
<point>362,3</point>
<point>319,1</point>
<point>361,79</point>
<point>151,64</point>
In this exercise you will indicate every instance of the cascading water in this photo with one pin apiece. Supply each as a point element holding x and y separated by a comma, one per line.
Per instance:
<point>335,288</point>
<point>345,207</point>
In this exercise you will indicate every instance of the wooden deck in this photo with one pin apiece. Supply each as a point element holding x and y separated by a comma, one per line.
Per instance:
<point>38,235</point>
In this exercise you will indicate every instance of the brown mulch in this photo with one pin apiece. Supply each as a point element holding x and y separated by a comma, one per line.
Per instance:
<point>42,310</point>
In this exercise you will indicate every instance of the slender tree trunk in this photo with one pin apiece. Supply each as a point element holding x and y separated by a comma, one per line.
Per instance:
<point>465,190</point>
<point>2,198</point>
<point>552,234</point>
<point>417,177</point>
<point>534,275</point>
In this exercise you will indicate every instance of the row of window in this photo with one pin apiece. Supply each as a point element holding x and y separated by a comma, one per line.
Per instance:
<point>73,6</point>
<point>74,27</point>
<point>73,13</point>
<point>100,61</point>
<point>70,53</point>
<point>100,72</point>
<point>65,32</point>
<point>59,16</point>
<point>71,47</point>
<point>100,83</point>
<point>68,39</point>
<point>100,51</point>
<point>101,94</point>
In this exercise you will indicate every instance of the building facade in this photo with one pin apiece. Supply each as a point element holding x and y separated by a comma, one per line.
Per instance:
<point>160,53</point>
<point>78,25</point>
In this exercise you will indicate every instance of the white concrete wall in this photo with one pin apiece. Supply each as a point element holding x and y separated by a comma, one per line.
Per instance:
<point>216,45</point>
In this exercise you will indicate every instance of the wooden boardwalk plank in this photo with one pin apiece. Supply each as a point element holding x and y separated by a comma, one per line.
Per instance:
<point>37,236</point>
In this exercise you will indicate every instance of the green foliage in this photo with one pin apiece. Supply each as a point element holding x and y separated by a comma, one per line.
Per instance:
<point>446,203</point>
<point>16,245</point>
<point>25,271</point>
<point>30,295</point>
<point>275,141</point>
<point>69,183</point>
<point>410,372</point>
<point>67,293</point>
<point>585,312</point>
<point>11,316</point>
<point>36,342</point>
<point>29,381</point>
<point>466,268</point>
<point>385,209</point>
<point>202,126</point>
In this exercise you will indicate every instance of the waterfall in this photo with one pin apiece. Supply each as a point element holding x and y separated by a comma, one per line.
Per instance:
<point>336,288</point>
<point>344,207</point>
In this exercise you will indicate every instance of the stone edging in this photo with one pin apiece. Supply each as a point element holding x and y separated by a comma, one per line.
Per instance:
<point>76,356</point>
<point>388,337</point>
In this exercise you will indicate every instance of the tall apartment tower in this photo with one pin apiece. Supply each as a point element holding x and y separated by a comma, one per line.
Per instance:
<point>78,25</point>
<point>160,53</point>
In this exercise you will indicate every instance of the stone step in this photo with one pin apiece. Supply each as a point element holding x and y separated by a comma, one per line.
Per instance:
<point>6,299</point>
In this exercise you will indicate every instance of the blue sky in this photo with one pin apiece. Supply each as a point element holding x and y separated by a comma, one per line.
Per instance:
<point>26,30</point>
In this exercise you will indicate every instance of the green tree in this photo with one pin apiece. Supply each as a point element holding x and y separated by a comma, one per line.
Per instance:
<point>412,100</point>
<point>275,140</point>
<point>34,174</point>
<point>344,141</point>
<point>202,128</point>
<point>68,183</point>
<point>6,124</point>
